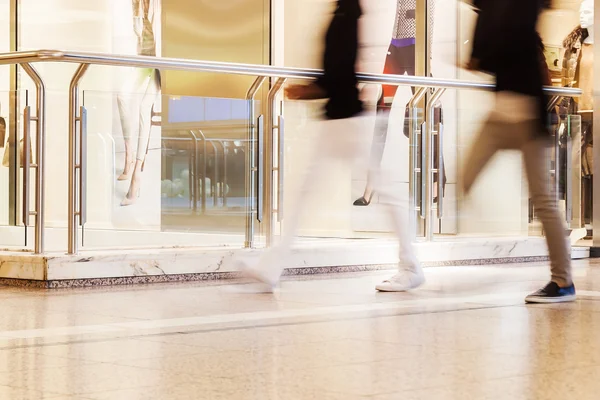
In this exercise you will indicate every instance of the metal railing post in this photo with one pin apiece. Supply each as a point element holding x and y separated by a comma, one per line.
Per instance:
<point>193,177</point>
<point>280,166</point>
<point>73,245</point>
<point>555,170</point>
<point>40,135</point>
<point>204,173</point>
<point>428,164</point>
<point>268,159</point>
<point>252,164</point>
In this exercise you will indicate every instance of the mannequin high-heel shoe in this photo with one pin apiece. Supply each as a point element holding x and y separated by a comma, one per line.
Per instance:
<point>127,171</point>
<point>363,202</point>
<point>130,201</point>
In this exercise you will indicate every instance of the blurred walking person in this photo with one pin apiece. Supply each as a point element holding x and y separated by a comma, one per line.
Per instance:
<point>343,136</point>
<point>507,45</point>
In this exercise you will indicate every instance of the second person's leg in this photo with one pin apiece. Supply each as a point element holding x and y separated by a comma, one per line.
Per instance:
<point>561,287</point>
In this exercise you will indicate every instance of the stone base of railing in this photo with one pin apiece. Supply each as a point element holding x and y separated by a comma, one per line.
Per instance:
<point>128,267</point>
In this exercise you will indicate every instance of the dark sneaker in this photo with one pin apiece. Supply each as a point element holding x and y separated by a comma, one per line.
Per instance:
<point>552,293</point>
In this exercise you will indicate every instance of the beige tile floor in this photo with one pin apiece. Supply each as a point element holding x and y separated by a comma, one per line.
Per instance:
<point>465,335</point>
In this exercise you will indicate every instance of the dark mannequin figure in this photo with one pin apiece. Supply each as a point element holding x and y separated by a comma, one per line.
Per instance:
<point>400,60</point>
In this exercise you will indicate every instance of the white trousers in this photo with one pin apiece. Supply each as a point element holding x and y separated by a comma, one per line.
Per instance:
<point>345,142</point>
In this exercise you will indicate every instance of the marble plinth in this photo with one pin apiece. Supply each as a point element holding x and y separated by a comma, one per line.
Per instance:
<point>308,257</point>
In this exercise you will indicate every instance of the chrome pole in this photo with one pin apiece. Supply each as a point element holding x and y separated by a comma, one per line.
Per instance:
<point>268,159</point>
<point>428,165</point>
<point>203,177</point>
<point>40,134</point>
<point>260,167</point>
<point>72,245</point>
<point>82,167</point>
<point>26,164</point>
<point>280,166</point>
<point>554,178</point>
<point>413,182</point>
<point>251,164</point>
<point>215,180</point>
<point>441,172</point>
<point>193,177</point>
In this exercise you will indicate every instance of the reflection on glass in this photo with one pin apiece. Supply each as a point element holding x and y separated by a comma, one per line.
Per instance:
<point>194,170</point>
<point>12,152</point>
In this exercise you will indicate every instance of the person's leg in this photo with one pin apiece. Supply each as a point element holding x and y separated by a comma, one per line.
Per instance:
<point>410,274</point>
<point>151,94</point>
<point>561,287</point>
<point>338,140</point>
<point>486,144</point>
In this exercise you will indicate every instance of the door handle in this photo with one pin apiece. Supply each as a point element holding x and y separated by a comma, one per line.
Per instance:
<point>83,166</point>
<point>26,163</point>
<point>441,171</point>
<point>280,167</point>
<point>261,166</point>
<point>423,169</point>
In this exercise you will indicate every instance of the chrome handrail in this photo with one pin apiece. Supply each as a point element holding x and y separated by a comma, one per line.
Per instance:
<point>180,64</point>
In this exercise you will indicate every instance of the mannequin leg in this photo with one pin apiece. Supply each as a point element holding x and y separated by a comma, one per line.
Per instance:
<point>134,83</point>
<point>124,112</point>
<point>399,61</point>
<point>377,148</point>
<point>151,95</point>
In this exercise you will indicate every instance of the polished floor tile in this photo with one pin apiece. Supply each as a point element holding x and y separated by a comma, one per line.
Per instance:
<point>466,334</point>
<point>17,393</point>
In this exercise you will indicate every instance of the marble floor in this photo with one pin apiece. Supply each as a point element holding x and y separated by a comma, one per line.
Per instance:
<point>465,335</point>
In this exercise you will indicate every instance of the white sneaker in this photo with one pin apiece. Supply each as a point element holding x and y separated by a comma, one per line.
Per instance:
<point>266,270</point>
<point>402,281</point>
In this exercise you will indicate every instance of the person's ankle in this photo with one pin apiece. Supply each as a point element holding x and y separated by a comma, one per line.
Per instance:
<point>562,284</point>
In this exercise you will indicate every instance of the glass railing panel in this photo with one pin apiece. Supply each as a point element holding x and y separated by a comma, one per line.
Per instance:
<point>166,170</point>
<point>499,202</point>
<point>347,198</point>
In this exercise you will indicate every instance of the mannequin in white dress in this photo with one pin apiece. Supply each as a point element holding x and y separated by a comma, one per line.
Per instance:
<point>144,82</point>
